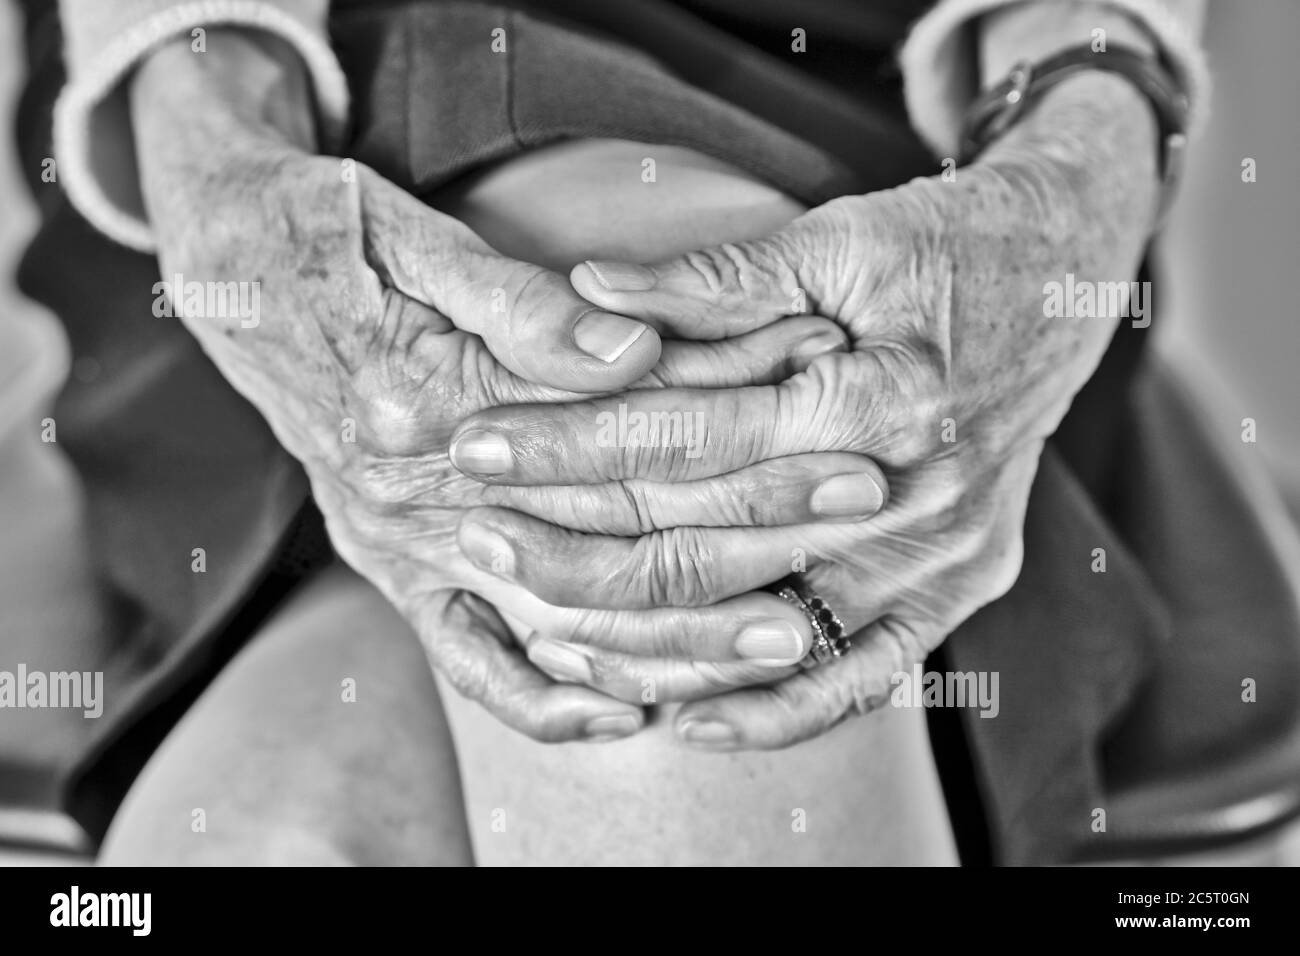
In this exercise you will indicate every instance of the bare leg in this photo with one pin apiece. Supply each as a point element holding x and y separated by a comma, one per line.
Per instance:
<point>279,766</point>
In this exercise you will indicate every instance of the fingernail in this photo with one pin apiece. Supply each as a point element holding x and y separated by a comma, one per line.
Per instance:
<point>823,343</point>
<point>711,734</point>
<point>622,276</point>
<point>560,659</point>
<point>487,550</point>
<point>774,643</point>
<point>606,336</point>
<point>855,495</point>
<point>481,452</point>
<point>611,727</point>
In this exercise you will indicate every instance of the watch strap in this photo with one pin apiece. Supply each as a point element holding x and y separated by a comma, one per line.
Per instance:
<point>995,110</point>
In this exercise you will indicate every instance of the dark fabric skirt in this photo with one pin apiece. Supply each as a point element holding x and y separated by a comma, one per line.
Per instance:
<point>173,459</point>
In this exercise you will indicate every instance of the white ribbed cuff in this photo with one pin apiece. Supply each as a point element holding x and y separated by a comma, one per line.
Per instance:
<point>82,159</point>
<point>937,67</point>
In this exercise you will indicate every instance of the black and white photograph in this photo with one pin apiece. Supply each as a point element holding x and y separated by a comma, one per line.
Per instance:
<point>650,433</point>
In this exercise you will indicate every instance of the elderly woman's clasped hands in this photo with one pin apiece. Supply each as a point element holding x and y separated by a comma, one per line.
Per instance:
<point>861,398</point>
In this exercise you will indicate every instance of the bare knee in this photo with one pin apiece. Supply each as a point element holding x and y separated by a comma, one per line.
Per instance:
<point>322,743</point>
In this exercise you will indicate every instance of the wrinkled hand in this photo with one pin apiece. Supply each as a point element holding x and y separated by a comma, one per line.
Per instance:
<point>954,380</point>
<point>380,325</point>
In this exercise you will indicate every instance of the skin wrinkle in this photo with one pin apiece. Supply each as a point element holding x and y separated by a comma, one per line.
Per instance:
<point>755,496</point>
<point>688,559</point>
<point>396,484</point>
<point>778,276</point>
<point>520,327</point>
<point>641,510</point>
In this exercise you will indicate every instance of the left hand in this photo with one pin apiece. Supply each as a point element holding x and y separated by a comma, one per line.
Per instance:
<point>955,378</point>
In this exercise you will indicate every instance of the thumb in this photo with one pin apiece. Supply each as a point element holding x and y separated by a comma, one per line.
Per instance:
<point>530,318</point>
<point>718,292</point>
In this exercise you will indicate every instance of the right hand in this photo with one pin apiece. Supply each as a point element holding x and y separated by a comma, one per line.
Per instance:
<point>383,324</point>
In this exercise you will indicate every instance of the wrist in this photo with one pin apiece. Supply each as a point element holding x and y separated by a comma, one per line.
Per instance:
<point>246,85</point>
<point>1095,137</point>
<point>1097,128</point>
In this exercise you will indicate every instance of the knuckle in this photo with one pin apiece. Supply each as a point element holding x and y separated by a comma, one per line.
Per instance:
<point>677,568</point>
<point>739,276</point>
<point>395,380</point>
<point>911,409</point>
<point>769,277</point>
<point>659,459</point>
<point>391,428</point>
<point>715,269</point>
<point>750,507</point>
<point>732,433</point>
<point>890,396</point>
<point>752,276</point>
<point>385,421</point>
<point>760,495</point>
<point>638,506</point>
<point>838,402</point>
